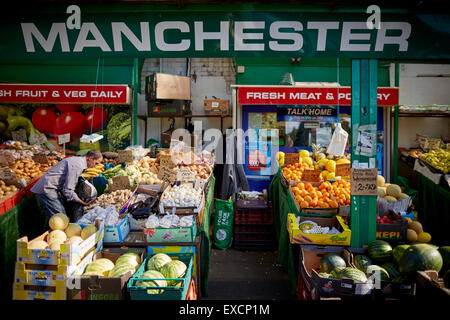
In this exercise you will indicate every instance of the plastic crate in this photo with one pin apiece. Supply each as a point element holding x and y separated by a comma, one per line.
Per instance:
<point>253,211</point>
<point>170,292</point>
<point>12,201</point>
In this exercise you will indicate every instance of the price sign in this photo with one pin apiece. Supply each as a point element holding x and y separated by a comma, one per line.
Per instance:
<point>64,138</point>
<point>185,175</point>
<point>119,183</point>
<point>432,144</point>
<point>19,135</point>
<point>363,182</point>
<point>7,174</point>
<point>6,158</point>
<point>40,158</point>
<point>167,174</point>
<point>290,158</point>
<point>166,161</point>
<point>311,175</point>
<point>342,170</point>
<point>125,156</point>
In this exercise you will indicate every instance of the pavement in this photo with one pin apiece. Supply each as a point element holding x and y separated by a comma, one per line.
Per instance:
<point>247,275</point>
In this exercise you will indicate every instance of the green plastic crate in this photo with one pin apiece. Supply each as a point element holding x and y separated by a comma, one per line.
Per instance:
<point>169,293</point>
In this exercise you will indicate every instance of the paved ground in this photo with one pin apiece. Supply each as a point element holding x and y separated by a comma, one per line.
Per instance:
<point>246,275</point>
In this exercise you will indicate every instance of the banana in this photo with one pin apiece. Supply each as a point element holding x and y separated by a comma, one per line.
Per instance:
<point>93,170</point>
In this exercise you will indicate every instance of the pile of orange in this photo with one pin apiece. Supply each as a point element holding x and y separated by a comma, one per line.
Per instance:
<point>340,189</point>
<point>294,171</point>
<point>309,196</point>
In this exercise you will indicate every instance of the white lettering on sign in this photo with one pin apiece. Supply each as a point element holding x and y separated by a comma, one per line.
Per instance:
<point>280,36</point>
<point>31,93</point>
<point>266,95</point>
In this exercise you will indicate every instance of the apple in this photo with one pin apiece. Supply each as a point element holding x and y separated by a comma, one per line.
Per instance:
<point>44,119</point>
<point>71,122</point>
<point>97,118</point>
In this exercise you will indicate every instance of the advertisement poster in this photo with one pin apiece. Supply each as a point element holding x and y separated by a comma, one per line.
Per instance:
<point>302,125</point>
<point>45,123</point>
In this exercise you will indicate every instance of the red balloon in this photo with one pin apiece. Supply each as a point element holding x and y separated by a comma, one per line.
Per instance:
<point>44,119</point>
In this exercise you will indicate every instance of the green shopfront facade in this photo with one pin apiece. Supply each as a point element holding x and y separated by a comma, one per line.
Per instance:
<point>333,44</point>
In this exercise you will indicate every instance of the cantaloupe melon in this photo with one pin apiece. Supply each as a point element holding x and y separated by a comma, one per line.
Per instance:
<point>55,244</point>
<point>381,192</point>
<point>393,190</point>
<point>38,244</point>
<point>380,181</point>
<point>411,235</point>
<point>57,234</point>
<point>88,231</point>
<point>73,229</point>
<point>74,239</point>
<point>416,226</point>
<point>403,196</point>
<point>58,221</point>
<point>389,198</point>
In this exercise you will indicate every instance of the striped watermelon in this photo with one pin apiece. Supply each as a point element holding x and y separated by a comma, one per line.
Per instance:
<point>372,269</point>
<point>392,269</point>
<point>331,261</point>
<point>397,252</point>
<point>362,262</point>
<point>420,257</point>
<point>121,269</point>
<point>336,273</point>
<point>380,251</point>
<point>325,275</point>
<point>356,275</point>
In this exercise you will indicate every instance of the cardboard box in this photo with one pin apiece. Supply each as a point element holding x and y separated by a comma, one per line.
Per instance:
<point>186,234</point>
<point>160,86</point>
<point>421,167</point>
<point>217,106</point>
<point>104,288</point>
<point>167,292</point>
<point>393,233</point>
<point>117,233</point>
<point>299,237</point>
<point>386,289</point>
<point>430,285</point>
<point>69,254</point>
<point>22,291</point>
<point>320,287</point>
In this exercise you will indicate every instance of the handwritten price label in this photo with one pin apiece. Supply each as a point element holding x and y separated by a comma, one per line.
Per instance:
<point>19,135</point>
<point>64,138</point>
<point>363,182</point>
<point>185,175</point>
<point>290,158</point>
<point>311,175</point>
<point>125,156</point>
<point>166,174</point>
<point>7,174</point>
<point>342,170</point>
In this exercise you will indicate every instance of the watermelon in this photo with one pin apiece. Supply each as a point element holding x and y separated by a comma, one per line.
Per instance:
<point>372,269</point>
<point>380,251</point>
<point>331,261</point>
<point>356,275</point>
<point>397,252</point>
<point>445,253</point>
<point>362,262</point>
<point>325,275</point>
<point>420,257</point>
<point>336,273</point>
<point>392,269</point>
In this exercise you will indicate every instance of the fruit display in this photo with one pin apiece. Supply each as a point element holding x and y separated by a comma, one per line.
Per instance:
<point>63,232</point>
<point>28,169</point>
<point>162,266</point>
<point>333,266</point>
<point>438,158</point>
<point>90,173</point>
<point>340,189</point>
<point>148,178</point>
<point>103,267</point>
<point>389,191</point>
<point>293,172</point>
<point>309,196</point>
<point>415,232</point>
<point>6,191</point>
<point>147,164</point>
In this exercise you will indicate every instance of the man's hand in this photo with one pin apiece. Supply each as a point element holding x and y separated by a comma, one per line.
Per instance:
<point>86,203</point>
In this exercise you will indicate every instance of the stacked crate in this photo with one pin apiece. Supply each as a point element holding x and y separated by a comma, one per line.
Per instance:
<point>253,225</point>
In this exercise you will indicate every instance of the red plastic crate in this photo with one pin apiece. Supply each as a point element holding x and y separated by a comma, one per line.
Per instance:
<point>12,201</point>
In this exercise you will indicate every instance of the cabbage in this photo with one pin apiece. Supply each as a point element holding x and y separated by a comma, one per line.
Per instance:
<point>158,261</point>
<point>152,274</point>
<point>174,269</point>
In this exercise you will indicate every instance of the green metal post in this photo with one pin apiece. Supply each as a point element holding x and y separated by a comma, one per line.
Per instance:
<point>364,112</point>
<point>395,147</point>
<point>135,82</point>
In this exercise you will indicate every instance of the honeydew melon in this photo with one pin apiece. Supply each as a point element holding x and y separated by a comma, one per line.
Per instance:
<point>38,244</point>
<point>57,234</point>
<point>393,190</point>
<point>59,221</point>
<point>88,231</point>
<point>73,229</point>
